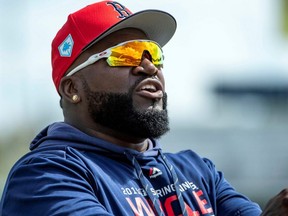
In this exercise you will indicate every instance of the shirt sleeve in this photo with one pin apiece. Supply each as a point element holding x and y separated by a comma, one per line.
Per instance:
<point>230,202</point>
<point>50,185</point>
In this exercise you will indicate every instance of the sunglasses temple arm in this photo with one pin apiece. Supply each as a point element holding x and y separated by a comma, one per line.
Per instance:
<point>90,61</point>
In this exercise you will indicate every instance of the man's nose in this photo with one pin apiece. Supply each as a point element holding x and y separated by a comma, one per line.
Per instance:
<point>146,67</point>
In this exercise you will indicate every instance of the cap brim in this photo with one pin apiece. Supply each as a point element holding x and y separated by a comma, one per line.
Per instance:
<point>158,25</point>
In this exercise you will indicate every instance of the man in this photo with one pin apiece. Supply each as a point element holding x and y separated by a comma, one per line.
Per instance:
<point>104,159</point>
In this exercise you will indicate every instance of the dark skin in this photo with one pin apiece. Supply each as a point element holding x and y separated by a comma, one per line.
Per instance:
<point>101,77</point>
<point>278,205</point>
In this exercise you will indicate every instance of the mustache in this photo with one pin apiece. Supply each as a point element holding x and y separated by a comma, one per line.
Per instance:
<point>139,80</point>
<point>133,87</point>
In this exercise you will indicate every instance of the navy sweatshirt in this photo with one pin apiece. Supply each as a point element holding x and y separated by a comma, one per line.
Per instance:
<point>69,172</point>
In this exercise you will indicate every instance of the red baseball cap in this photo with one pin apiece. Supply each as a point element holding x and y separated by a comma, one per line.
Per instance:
<point>92,23</point>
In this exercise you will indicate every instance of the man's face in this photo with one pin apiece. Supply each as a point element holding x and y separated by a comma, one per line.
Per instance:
<point>129,100</point>
<point>116,111</point>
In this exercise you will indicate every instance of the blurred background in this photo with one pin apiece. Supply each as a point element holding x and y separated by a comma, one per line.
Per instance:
<point>226,76</point>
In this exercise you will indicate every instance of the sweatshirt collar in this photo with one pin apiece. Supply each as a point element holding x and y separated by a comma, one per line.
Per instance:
<point>62,134</point>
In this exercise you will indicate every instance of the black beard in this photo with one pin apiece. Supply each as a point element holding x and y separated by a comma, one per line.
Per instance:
<point>116,111</point>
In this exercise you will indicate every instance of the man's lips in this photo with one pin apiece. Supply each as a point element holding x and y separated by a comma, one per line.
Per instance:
<point>150,88</point>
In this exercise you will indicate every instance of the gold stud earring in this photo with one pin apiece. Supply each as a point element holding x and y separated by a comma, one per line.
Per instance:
<point>75,98</point>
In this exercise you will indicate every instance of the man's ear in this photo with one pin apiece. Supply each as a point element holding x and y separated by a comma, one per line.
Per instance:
<point>70,89</point>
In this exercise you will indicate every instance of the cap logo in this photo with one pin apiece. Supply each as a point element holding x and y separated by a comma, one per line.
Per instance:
<point>123,12</point>
<point>66,47</point>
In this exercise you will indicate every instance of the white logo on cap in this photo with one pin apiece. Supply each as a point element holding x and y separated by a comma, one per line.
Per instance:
<point>65,48</point>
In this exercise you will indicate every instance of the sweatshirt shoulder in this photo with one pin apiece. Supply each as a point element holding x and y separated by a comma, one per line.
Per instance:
<point>61,152</point>
<point>190,157</point>
<point>65,158</point>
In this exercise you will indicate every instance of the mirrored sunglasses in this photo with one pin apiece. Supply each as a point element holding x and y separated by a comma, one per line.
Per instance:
<point>129,53</point>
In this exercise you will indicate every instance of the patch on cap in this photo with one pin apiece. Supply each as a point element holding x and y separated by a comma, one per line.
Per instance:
<point>66,47</point>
